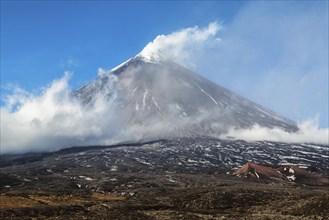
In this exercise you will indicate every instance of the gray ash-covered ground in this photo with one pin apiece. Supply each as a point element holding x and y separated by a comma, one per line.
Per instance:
<point>186,178</point>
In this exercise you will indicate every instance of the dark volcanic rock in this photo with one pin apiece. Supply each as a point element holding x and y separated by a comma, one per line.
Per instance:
<point>183,178</point>
<point>171,155</point>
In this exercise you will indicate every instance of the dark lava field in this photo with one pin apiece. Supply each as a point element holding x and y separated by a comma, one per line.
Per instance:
<point>184,178</point>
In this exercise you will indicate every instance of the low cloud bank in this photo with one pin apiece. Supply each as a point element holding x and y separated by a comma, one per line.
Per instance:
<point>309,132</point>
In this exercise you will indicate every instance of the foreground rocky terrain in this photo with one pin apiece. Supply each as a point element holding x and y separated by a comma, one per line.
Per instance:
<point>184,178</point>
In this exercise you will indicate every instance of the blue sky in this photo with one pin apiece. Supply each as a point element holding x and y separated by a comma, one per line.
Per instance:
<point>274,53</point>
<point>40,39</point>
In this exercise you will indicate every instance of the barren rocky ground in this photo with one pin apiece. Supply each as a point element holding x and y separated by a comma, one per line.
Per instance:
<point>158,180</point>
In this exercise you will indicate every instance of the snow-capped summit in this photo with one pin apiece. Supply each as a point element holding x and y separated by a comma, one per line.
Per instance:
<point>155,96</point>
<point>151,52</point>
<point>149,56</point>
<point>145,55</point>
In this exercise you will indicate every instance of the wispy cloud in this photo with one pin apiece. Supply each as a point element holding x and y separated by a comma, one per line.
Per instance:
<point>275,53</point>
<point>309,132</point>
<point>69,63</point>
<point>102,71</point>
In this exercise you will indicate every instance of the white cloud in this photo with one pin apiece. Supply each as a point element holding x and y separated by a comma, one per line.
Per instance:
<point>309,132</point>
<point>180,46</point>
<point>54,119</point>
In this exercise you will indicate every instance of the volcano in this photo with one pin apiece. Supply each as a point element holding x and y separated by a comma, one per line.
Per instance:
<point>156,97</point>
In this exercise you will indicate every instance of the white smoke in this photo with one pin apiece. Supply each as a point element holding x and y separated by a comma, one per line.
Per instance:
<point>309,132</point>
<point>180,46</point>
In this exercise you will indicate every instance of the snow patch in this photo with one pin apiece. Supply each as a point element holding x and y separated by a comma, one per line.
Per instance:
<point>114,168</point>
<point>149,56</point>
<point>155,102</point>
<point>291,178</point>
<point>145,95</point>
<point>86,178</point>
